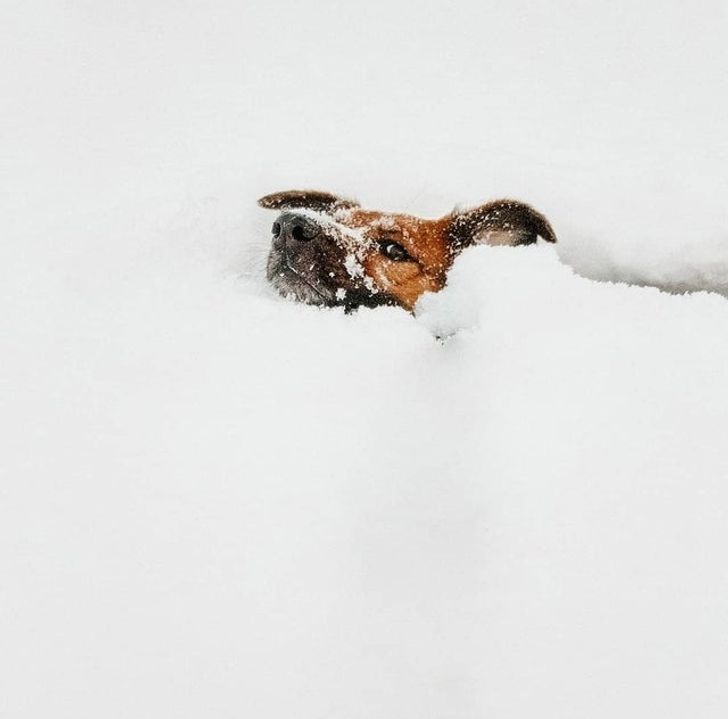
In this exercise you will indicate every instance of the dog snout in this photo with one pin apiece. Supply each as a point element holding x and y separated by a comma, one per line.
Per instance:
<point>292,228</point>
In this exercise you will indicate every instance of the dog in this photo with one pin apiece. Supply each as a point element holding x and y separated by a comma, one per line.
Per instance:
<point>326,250</point>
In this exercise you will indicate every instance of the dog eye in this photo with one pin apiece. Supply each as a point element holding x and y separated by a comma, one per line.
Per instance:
<point>395,252</point>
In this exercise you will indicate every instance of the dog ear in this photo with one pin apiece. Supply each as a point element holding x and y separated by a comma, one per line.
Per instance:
<point>501,222</point>
<point>310,199</point>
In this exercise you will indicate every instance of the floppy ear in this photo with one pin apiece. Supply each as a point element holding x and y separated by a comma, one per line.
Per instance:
<point>501,222</point>
<point>310,199</point>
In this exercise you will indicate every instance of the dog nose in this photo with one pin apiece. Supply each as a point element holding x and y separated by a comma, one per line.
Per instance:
<point>290,226</point>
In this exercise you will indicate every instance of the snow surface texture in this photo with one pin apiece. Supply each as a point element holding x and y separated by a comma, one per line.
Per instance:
<point>215,503</point>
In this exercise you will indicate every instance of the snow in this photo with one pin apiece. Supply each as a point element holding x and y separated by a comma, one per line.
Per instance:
<point>215,502</point>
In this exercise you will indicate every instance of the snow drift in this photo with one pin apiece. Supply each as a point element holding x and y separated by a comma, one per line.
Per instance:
<point>218,503</point>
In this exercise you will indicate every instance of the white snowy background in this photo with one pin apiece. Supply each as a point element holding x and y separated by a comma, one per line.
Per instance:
<point>216,503</point>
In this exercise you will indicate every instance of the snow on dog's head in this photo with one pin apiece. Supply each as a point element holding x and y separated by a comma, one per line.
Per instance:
<point>327,250</point>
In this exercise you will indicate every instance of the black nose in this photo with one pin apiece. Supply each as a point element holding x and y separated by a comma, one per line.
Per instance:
<point>290,226</point>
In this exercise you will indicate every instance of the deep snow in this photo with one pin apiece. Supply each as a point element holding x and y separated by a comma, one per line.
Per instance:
<point>218,503</point>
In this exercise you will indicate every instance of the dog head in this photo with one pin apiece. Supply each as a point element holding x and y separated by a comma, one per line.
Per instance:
<point>327,250</point>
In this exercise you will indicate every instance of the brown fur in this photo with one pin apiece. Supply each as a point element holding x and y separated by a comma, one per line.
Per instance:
<point>431,245</point>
